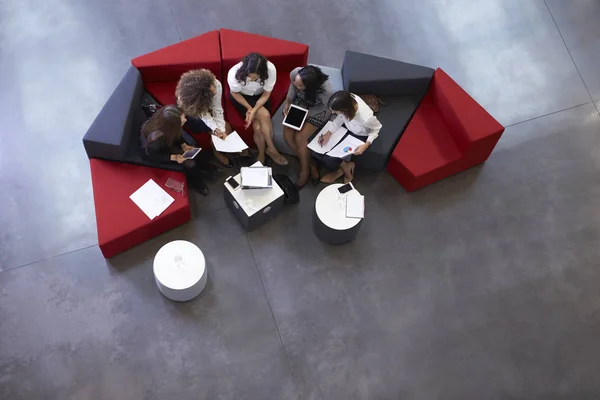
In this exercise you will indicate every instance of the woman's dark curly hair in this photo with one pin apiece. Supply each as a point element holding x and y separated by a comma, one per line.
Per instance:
<point>343,102</point>
<point>313,79</point>
<point>253,63</point>
<point>164,124</point>
<point>193,92</point>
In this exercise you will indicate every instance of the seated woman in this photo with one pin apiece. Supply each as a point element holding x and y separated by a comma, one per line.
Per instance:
<point>309,89</point>
<point>162,142</point>
<point>353,113</point>
<point>251,82</point>
<point>199,94</point>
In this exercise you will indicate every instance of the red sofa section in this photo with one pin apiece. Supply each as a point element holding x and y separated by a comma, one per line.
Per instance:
<point>285,55</point>
<point>161,69</point>
<point>450,132</point>
<point>120,223</point>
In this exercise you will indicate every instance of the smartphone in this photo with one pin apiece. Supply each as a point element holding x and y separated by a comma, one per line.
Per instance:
<point>346,188</point>
<point>232,182</point>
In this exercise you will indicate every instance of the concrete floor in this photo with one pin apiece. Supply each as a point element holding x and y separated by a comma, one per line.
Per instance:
<point>483,286</point>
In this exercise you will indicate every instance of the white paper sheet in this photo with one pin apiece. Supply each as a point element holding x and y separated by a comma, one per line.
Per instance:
<point>259,177</point>
<point>152,199</point>
<point>233,143</point>
<point>355,205</point>
<point>333,140</point>
<point>345,147</point>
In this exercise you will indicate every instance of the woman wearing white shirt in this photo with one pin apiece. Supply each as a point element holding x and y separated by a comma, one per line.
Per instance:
<point>199,94</point>
<point>251,82</point>
<point>353,113</point>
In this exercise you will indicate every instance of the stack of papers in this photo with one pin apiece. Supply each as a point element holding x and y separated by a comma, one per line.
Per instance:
<point>333,140</point>
<point>233,143</point>
<point>355,205</point>
<point>256,177</point>
<point>152,199</point>
<point>346,147</point>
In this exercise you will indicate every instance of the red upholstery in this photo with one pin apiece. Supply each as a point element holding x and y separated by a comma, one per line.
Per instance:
<point>121,224</point>
<point>449,132</point>
<point>167,64</point>
<point>286,56</point>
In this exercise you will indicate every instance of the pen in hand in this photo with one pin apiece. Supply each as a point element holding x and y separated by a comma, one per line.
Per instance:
<point>321,140</point>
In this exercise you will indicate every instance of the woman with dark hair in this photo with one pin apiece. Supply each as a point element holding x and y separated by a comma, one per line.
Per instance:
<point>199,94</point>
<point>353,113</point>
<point>162,142</point>
<point>309,89</point>
<point>251,82</point>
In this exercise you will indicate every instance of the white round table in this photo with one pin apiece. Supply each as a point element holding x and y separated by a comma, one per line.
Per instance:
<point>329,217</point>
<point>180,270</point>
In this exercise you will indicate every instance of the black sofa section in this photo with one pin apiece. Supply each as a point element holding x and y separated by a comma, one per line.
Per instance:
<point>115,133</point>
<point>401,85</point>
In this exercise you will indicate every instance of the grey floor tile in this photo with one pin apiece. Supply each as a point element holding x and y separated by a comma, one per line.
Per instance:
<point>579,27</point>
<point>97,331</point>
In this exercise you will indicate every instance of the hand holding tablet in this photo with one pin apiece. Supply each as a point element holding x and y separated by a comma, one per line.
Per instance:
<point>295,117</point>
<point>189,154</point>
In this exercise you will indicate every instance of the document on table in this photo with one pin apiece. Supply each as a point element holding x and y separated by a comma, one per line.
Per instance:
<point>152,199</point>
<point>355,205</point>
<point>256,177</point>
<point>345,147</point>
<point>333,140</point>
<point>233,143</point>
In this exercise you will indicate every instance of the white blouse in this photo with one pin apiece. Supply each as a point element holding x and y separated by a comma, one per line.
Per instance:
<point>214,119</point>
<point>364,123</point>
<point>252,88</point>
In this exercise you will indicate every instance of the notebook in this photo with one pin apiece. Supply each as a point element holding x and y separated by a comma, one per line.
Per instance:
<point>355,206</point>
<point>256,177</point>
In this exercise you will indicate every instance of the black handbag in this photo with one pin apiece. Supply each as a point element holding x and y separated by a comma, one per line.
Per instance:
<point>290,193</point>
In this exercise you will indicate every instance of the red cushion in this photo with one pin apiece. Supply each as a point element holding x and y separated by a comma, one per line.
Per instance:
<point>285,55</point>
<point>168,63</point>
<point>121,224</point>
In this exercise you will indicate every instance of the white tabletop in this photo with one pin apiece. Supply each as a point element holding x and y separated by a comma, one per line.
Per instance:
<point>179,264</point>
<point>253,200</point>
<point>331,208</point>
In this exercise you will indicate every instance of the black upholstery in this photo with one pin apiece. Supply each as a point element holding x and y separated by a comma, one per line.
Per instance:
<point>400,84</point>
<point>115,133</point>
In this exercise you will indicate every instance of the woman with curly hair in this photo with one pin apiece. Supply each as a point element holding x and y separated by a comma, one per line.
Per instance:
<point>251,82</point>
<point>162,142</point>
<point>199,94</point>
<point>309,89</point>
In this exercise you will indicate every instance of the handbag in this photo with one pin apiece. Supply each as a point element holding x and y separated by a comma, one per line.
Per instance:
<point>290,193</point>
<point>373,101</point>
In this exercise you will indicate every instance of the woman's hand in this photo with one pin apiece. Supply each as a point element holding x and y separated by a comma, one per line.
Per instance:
<point>325,138</point>
<point>362,148</point>
<point>286,108</point>
<point>250,117</point>
<point>185,147</point>
<point>220,134</point>
<point>177,158</point>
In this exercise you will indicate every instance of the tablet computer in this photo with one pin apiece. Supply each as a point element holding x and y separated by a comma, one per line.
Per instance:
<point>295,117</point>
<point>191,153</point>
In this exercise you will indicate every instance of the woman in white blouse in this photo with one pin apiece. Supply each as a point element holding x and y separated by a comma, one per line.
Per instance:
<point>199,94</point>
<point>251,82</point>
<point>353,113</point>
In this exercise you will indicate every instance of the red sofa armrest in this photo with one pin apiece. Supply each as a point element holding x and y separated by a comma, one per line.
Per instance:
<point>468,122</point>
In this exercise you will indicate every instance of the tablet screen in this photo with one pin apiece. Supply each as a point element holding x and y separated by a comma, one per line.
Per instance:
<point>295,117</point>
<point>191,153</point>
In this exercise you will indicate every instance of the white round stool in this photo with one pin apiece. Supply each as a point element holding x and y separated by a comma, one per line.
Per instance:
<point>329,217</point>
<point>180,270</point>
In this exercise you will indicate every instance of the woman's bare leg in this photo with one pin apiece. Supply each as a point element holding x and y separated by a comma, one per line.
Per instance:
<point>264,118</point>
<point>259,140</point>
<point>288,135</point>
<point>301,139</point>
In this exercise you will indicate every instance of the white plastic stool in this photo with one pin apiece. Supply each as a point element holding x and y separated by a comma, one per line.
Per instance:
<point>180,270</point>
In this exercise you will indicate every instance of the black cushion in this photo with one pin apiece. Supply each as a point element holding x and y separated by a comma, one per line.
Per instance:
<point>109,135</point>
<point>401,85</point>
<point>367,74</point>
<point>393,117</point>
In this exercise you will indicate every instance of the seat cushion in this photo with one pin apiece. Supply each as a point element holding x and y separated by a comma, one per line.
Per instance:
<point>120,223</point>
<point>426,151</point>
<point>394,118</point>
<point>109,134</point>
<point>167,64</point>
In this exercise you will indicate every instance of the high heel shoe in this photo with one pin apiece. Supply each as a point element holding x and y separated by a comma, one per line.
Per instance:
<point>351,167</point>
<point>332,176</point>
